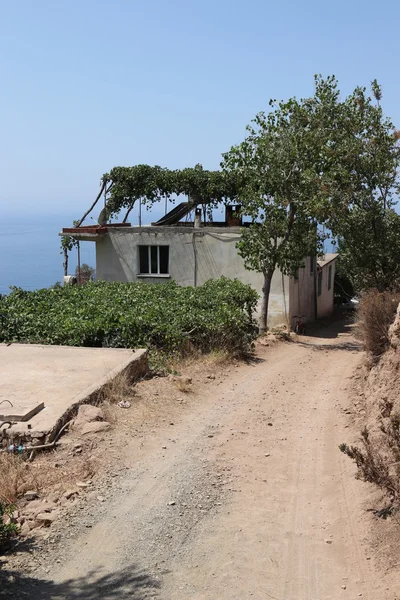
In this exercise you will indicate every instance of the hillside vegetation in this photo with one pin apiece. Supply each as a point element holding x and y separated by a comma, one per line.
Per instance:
<point>378,456</point>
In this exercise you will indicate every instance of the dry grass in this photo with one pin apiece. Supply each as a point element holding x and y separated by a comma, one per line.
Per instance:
<point>18,476</point>
<point>375,314</point>
<point>217,359</point>
<point>12,475</point>
<point>184,386</point>
<point>118,389</point>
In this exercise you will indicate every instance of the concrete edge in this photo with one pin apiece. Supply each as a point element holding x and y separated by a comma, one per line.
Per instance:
<point>135,367</point>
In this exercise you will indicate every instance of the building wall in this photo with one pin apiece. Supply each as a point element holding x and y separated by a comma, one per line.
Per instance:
<point>301,293</point>
<point>194,257</point>
<point>325,300</point>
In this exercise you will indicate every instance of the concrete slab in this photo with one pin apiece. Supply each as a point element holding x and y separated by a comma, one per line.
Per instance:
<point>23,410</point>
<point>60,377</point>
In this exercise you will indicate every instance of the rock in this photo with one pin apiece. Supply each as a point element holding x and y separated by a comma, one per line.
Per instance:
<point>45,519</point>
<point>394,330</point>
<point>181,379</point>
<point>172,503</point>
<point>70,493</point>
<point>39,506</point>
<point>25,528</point>
<point>328,541</point>
<point>87,414</point>
<point>343,587</point>
<point>267,454</point>
<point>82,484</point>
<point>54,497</point>
<point>210,376</point>
<point>100,499</point>
<point>95,427</point>
<point>31,495</point>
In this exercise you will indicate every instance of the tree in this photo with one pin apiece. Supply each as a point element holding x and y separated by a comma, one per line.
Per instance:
<point>123,187</point>
<point>362,186</point>
<point>85,273</point>
<point>279,173</point>
<point>67,243</point>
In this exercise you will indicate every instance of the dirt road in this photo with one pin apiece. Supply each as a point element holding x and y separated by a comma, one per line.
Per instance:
<point>244,495</point>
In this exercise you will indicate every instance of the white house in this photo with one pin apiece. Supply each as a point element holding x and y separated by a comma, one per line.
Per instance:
<point>193,252</point>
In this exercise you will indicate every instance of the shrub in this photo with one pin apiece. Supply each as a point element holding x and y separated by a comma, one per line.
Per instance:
<point>375,314</point>
<point>7,528</point>
<point>378,461</point>
<point>217,315</point>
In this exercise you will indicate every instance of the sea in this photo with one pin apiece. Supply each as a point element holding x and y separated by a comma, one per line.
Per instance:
<point>30,253</point>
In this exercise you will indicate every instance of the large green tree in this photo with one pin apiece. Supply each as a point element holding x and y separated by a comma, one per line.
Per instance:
<point>362,185</point>
<point>279,168</point>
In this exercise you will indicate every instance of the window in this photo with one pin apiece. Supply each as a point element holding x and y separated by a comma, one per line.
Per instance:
<point>154,260</point>
<point>319,283</point>
<point>330,278</point>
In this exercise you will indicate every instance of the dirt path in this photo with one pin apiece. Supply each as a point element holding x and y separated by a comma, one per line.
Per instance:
<point>244,495</point>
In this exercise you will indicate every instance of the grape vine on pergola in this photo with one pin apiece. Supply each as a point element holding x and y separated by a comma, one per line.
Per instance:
<point>123,187</point>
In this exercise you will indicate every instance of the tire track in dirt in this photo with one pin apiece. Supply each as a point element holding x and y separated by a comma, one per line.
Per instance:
<point>252,499</point>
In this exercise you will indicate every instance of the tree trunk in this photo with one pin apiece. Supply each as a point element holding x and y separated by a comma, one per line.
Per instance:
<point>65,262</point>
<point>266,288</point>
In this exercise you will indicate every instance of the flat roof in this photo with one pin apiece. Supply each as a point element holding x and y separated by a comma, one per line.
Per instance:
<point>327,259</point>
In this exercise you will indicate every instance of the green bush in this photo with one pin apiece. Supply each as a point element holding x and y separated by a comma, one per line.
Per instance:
<point>7,529</point>
<point>167,317</point>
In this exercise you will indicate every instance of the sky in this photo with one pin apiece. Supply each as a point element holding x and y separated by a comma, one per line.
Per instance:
<point>92,84</point>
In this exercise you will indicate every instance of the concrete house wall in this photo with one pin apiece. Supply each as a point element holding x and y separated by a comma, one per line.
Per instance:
<point>325,299</point>
<point>195,255</point>
<point>301,292</point>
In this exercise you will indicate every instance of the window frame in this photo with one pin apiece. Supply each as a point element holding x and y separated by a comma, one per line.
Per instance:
<point>149,273</point>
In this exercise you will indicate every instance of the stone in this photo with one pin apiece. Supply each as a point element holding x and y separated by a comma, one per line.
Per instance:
<point>39,506</point>
<point>328,541</point>
<point>181,379</point>
<point>46,519</point>
<point>95,427</point>
<point>70,493</point>
<point>87,414</point>
<point>172,503</point>
<point>25,528</point>
<point>31,495</point>
<point>82,484</point>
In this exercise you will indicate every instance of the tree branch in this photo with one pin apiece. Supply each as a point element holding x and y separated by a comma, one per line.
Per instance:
<point>129,210</point>
<point>93,205</point>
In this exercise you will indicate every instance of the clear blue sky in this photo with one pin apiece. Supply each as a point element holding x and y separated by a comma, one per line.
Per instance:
<point>87,85</point>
